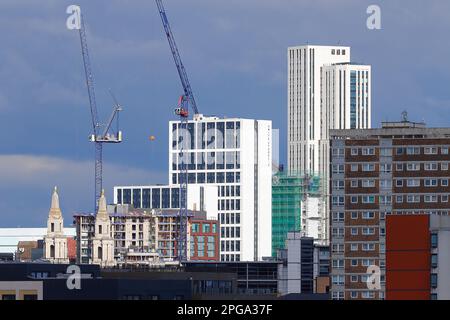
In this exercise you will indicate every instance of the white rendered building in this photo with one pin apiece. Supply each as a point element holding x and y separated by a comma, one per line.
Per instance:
<point>325,91</point>
<point>236,156</point>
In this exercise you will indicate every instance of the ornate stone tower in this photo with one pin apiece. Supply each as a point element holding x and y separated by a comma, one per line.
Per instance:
<point>55,248</point>
<point>103,243</point>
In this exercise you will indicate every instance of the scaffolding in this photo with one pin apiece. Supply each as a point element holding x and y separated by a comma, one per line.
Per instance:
<point>290,191</point>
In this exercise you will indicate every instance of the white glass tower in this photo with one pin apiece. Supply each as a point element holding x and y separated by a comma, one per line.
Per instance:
<point>236,156</point>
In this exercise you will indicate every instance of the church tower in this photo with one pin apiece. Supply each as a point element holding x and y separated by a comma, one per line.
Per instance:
<point>55,243</point>
<point>103,243</point>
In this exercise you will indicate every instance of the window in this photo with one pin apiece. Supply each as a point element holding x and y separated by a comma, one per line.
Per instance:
<point>368,167</point>
<point>413,182</point>
<point>354,231</point>
<point>434,260</point>
<point>354,262</point>
<point>399,167</point>
<point>337,200</point>
<point>444,182</point>
<point>430,150</point>
<point>413,167</point>
<point>337,248</point>
<point>368,231</point>
<point>444,150</point>
<point>412,198</point>
<point>354,167</point>
<point>338,216</point>
<point>337,232</point>
<point>368,151</point>
<point>338,152</point>
<point>368,215</point>
<point>368,246</point>
<point>368,183</point>
<point>385,199</point>
<point>354,151</point>
<point>353,278</point>
<point>434,280</point>
<point>385,167</point>
<point>387,152</point>
<point>354,199</point>
<point>385,184</point>
<point>338,263</point>
<point>413,150</point>
<point>354,183</point>
<point>399,151</point>
<point>368,199</point>
<point>338,184</point>
<point>354,215</point>
<point>337,295</point>
<point>367,294</point>
<point>431,166</point>
<point>431,182</point>
<point>354,247</point>
<point>337,279</point>
<point>430,198</point>
<point>338,168</point>
<point>434,240</point>
<point>399,183</point>
<point>444,166</point>
<point>398,199</point>
<point>444,198</point>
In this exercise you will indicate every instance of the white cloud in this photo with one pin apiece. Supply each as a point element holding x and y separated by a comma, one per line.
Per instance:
<point>27,181</point>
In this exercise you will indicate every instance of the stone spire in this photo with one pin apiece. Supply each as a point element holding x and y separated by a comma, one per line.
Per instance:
<point>102,211</point>
<point>55,210</point>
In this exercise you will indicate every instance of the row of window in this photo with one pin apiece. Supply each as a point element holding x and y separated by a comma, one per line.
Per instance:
<point>370,151</point>
<point>230,257</point>
<point>366,215</point>
<point>206,160</point>
<point>387,168</point>
<point>230,245</point>
<point>230,232</point>
<point>387,183</point>
<point>230,218</point>
<point>229,204</point>
<point>339,263</point>
<point>339,247</point>
<point>205,227</point>
<point>354,231</point>
<point>229,191</point>
<point>210,135</point>
<point>209,177</point>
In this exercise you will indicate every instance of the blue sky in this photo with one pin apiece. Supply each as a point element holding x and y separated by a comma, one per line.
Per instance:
<point>235,54</point>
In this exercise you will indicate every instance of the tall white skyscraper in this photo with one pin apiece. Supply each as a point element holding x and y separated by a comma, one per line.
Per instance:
<point>304,102</point>
<point>325,91</point>
<point>236,156</point>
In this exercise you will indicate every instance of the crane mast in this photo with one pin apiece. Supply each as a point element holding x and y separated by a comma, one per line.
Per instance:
<point>177,58</point>
<point>99,136</point>
<point>186,100</point>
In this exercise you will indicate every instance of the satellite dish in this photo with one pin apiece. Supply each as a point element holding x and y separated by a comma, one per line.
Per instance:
<point>21,250</point>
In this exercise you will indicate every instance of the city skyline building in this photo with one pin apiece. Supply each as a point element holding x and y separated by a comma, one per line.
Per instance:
<point>325,91</point>
<point>400,168</point>
<point>235,155</point>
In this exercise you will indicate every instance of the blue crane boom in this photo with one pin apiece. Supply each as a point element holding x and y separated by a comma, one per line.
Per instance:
<point>99,136</point>
<point>189,95</point>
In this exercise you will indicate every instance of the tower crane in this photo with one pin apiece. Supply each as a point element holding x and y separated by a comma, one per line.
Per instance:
<point>102,133</point>
<point>186,100</point>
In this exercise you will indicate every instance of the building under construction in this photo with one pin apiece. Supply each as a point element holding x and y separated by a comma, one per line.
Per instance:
<point>296,205</point>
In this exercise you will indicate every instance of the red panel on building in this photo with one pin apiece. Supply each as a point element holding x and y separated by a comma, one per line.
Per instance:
<point>408,258</point>
<point>71,249</point>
